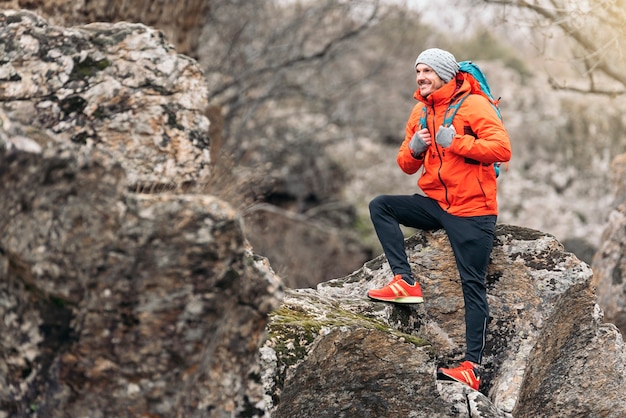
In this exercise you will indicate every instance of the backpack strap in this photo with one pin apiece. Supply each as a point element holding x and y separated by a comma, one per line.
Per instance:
<point>451,111</point>
<point>448,116</point>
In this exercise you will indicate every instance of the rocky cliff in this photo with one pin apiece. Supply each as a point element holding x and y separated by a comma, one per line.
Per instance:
<point>115,302</point>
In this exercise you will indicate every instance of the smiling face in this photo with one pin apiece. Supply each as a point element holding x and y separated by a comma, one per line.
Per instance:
<point>427,80</point>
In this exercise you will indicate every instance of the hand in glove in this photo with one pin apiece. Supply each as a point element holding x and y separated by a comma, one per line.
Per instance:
<point>445,135</point>
<point>420,142</point>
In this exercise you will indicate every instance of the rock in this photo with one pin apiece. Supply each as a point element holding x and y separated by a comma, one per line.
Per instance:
<point>117,304</point>
<point>120,87</point>
<point>609,262</point>
<point>112,302</point>
<point>325,383</point>
<point>337,352</point>
<point>578,364</point>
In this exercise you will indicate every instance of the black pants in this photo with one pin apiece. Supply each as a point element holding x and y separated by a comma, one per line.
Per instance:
<point>471,239</point>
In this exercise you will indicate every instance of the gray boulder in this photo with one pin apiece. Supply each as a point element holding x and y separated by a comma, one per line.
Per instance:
<point>119,87</point>
<point>331,352</point>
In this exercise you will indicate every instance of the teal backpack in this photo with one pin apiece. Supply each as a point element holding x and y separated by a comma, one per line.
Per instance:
<point>479,85</point>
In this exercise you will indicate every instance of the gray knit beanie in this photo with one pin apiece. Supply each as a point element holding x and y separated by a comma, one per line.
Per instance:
<point>441,61</point>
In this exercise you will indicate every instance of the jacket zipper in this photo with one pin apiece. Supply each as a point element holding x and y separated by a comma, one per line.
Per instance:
<point>440,154</point>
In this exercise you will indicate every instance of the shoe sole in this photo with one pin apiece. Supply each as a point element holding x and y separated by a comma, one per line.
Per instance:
<point>405,299</point>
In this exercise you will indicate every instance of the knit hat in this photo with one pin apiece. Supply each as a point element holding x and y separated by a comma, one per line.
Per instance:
<point>441,61</point>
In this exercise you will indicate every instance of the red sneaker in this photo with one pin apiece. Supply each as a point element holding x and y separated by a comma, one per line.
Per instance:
<point>465,373</point>
<point>398,291</point>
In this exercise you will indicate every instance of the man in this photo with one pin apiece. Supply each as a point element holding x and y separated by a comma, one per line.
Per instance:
<point>459,184</point>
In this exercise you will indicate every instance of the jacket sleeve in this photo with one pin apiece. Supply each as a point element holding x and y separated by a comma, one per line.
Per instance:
<point>405,159</point>
<point>487,140</point>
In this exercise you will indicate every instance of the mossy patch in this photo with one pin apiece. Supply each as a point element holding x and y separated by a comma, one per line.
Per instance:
<point>292,330</point>
<point>290,338</point>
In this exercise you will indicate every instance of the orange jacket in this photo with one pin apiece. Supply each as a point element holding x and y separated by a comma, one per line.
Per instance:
<point>460,178</point>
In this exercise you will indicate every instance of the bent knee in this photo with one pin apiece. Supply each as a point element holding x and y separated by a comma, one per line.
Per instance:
<point>377,204</point>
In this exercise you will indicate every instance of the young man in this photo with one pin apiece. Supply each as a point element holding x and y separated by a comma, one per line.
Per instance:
<point>459,184</point>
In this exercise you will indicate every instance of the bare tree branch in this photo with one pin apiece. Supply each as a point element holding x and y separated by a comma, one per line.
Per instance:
<point>595,30</point>
<point>262,52</point>
<point>593,90</point>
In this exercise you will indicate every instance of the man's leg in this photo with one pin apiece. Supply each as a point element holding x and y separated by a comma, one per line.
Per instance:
<point>389,212</point>
<point>472,241</point>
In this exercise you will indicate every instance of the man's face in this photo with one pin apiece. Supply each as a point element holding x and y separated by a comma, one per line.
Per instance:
<point>427,80</point>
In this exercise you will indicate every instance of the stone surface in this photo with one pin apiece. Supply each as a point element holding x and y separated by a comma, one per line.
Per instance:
<point>578,364</point>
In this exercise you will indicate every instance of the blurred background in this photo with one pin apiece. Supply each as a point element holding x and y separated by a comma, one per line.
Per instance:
<point>308,102</point>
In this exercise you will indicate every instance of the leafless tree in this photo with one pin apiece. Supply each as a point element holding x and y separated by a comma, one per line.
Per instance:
<point>270,53</point>
<point>596,30</point>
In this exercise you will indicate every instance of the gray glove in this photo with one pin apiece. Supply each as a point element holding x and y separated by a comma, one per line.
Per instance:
<point>417,145</point>
<point>445,135</point>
